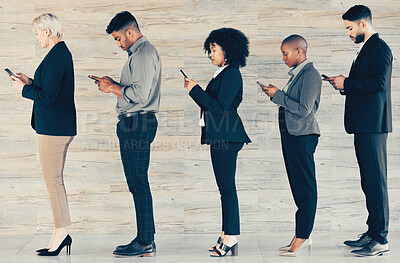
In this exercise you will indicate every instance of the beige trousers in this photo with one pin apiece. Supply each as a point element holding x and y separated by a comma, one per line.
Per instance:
<point>53,152</point>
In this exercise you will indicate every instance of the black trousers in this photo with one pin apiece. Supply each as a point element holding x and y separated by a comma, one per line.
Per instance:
<point>298,153</point>
<point>135,135</point>
<point>371,152</point>
<point>223,158</point>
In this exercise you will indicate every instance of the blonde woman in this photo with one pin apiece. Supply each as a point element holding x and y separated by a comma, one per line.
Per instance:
<point>53,119</point>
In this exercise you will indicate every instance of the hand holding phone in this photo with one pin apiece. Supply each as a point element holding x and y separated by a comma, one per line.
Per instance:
<point>325,77</point>
<point>10,73</point>
<point>93,77</point>
<point>183,73</point>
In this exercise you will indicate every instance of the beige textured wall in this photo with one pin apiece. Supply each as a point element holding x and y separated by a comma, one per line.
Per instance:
<point>184,190</point>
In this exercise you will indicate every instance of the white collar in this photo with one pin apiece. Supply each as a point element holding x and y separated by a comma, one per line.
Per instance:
<point>219,70</point>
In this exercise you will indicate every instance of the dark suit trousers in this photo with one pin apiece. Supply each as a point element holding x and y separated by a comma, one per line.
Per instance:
<point>135,135</point>
<point>298,153</point>
<point>371,152</point>
<point>223,158</point>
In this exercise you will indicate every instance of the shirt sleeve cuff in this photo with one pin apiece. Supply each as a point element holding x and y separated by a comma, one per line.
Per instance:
<point>344,91</point>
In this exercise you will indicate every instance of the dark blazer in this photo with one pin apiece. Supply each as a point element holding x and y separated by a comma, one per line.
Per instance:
<point>301,102</point>
<point>368,106</point>
<point>219,102</point>
<point>52,91</point>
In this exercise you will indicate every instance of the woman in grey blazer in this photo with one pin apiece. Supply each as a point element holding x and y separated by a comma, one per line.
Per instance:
<point>298,102</point>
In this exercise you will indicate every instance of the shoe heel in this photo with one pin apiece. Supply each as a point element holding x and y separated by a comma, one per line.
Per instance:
<point>68,250</point>
<point>152,254</point>
<point>235,250</point>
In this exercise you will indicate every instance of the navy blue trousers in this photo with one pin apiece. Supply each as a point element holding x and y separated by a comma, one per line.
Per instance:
<point>135,135</point>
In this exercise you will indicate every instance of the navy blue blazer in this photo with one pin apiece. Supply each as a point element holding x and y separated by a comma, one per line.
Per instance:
<point>219,103</point>
<point>368,106</point>
<point>52,91</point>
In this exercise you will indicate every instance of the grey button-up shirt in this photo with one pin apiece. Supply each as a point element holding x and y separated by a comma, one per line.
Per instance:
<point>140,79</point>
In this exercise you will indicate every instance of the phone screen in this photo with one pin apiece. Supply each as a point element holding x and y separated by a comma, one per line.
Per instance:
<point>9,72</point>
<point>183,73</point>
<point>259,83</point>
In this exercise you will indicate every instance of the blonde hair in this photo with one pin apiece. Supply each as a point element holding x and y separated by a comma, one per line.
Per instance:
<point>49,21</point>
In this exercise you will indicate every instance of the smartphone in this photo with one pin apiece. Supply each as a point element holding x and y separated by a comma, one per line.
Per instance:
<point>263,85</point>
<point>90,76</point>
<point>183,73</point>
<point>10,72</point>
<point>324,76</point>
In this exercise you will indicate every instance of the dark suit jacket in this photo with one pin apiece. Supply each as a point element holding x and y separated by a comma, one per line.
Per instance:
<point>52,91</point>
<point>219,102</point>
<point>368,106</point>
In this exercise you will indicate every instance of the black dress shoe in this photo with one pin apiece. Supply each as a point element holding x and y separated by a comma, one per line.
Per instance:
<point>135,249</point>
<point>373,248</point>
<point>122,247</point>
<point>362,241</point>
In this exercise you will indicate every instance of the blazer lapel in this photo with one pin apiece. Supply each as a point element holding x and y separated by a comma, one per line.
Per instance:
<point>364,51</point>
<point>211,83</point>
<point>308,65</point>
<point>217,77</point>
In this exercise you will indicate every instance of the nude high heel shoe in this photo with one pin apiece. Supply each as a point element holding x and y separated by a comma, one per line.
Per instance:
<point>305,246</point>
<point>284,248</point>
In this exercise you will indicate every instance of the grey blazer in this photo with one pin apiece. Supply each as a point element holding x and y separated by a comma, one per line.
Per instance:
<point>301,102</point>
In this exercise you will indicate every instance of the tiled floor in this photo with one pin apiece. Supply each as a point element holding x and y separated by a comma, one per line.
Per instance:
<point>189,248</point>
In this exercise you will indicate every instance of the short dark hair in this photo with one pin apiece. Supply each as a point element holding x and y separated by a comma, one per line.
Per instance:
<point>295,38</point>
<point>358,12</point>
<point>234,44</point>
<point>121,20</point>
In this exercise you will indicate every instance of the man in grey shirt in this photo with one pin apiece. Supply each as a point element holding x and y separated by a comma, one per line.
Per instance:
<point>138,99</point>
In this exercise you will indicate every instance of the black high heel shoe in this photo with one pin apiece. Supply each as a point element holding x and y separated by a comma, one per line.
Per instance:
<point>234,250</point>
<point>41,250</point>
<point>219,242</point>
<point>66,243</point>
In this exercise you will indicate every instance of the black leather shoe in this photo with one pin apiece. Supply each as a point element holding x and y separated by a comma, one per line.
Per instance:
<point>373,248</point>
<point>362,241</point>
<point>122,247</point>
<point>134,249</point>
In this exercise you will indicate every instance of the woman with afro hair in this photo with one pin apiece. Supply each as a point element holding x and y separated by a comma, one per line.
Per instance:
<point>221,126</point>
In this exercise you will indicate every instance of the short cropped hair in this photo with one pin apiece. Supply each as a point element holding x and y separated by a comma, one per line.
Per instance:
<point>122,20</point>
<point>296,38</point>
<point>49,21</point>
<point>234,44</point>
<point>358,12</point>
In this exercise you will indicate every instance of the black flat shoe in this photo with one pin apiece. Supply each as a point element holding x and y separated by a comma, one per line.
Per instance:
<point>225,249</point>
<point>66,243</point>
<point>135,249</point>
<point>219,242</point>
